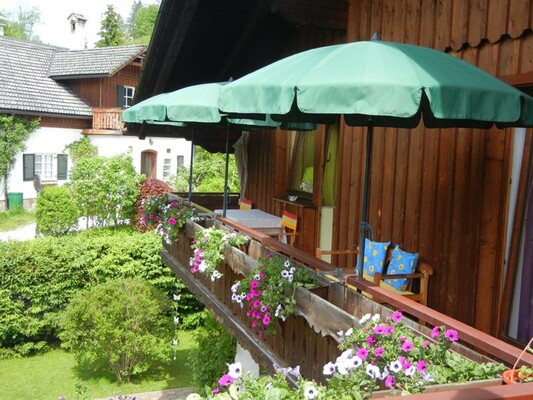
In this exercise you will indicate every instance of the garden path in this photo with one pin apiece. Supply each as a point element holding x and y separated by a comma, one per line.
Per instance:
<point>174,394</point>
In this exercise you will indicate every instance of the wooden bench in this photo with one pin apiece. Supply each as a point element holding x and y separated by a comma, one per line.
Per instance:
<point>416,291</point>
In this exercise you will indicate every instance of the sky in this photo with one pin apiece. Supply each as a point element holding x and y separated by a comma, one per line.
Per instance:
<point>54,26</point>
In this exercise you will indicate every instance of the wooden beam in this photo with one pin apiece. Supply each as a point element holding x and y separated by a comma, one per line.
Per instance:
<point>329,15</point>
<point>519,79</point>
<point>246,339</point>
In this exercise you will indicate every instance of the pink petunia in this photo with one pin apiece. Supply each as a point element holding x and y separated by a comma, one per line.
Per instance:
<point>371,340</point>
<point>379,329</point>
<point>421,365</point>
<point>379,352</point>
<point>266,319</point>
<point>407,346</point>
<point>172,221</point>
<point>425,344</point>
<point>451,335</point>
<point>435,332</point>
<point>254,285</point>
<point>387,330</point>
<point>256,304</point>
<point>396,317</point>
<point>390,382</point>
<point>225,380</point>
<point>362,353</point>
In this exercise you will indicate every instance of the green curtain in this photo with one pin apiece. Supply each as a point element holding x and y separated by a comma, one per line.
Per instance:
<point>329,183</point>
<point>303,161</point>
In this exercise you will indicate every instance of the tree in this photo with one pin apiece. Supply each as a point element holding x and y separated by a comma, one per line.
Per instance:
<point>105,188</point>
<point>21,23</point>
<point>111,29</point>
<point>14,130</point>
<point>124,324</point>
<point>81,148</point>
<point>141,22</point>
<point>208,173</point>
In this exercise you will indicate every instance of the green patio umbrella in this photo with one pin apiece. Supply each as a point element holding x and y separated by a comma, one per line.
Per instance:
<point>377,83</point>
<point>191,107</point>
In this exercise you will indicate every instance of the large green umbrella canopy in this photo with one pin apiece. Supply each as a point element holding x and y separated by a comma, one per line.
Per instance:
<point>375,83</point>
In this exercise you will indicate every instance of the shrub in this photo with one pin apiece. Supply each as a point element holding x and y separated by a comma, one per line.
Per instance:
<point>149,187</point>
<point>216,348</point>
<point>124,324</point>
<point>39,278</point>
<point>56,211</point>
<point>105,188</point>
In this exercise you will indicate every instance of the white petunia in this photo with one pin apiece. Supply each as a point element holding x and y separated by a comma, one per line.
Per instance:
<point>348,332</point>
<point>202,267</point>
<point>235,287</point>
<point>310,393</point>
<point>177,297</point>
<point>395,366</point>
<point>376,318</point>
<point>410,371</point>
<point>365,319</point>
<point>287,263</point>
<point>373,371</point>
<point>328,369</point>
<point>235,370</point>
<point>356,361</point>
<point>285,274</point>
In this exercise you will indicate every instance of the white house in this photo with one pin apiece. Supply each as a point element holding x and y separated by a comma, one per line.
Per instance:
<point>76,93</point>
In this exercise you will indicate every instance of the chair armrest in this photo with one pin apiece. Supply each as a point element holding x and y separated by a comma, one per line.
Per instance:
<point>424,268</point>
<point>378,276</point>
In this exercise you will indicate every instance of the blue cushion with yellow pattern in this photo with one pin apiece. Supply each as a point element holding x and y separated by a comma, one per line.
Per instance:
<point>401,262</point>
<point>374,257</point>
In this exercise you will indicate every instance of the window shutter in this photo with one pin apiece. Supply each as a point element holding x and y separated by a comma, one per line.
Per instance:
<point>121,92</point>
<point>28,166</point>
<point>62,165</point>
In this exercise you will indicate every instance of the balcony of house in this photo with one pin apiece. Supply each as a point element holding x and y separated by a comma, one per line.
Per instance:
<point>310,337</point>
<point>106,121</point>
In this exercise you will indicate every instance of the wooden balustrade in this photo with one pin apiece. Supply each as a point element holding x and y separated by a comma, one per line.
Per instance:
<point>308,338</point>
<point>107,119</point>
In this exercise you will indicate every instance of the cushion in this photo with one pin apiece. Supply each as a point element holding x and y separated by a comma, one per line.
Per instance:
<point>374,257</point>
<point>401,262</point>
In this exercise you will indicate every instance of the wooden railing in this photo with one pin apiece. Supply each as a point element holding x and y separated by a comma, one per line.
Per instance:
<point>309,338</point>
<point>107,119</point>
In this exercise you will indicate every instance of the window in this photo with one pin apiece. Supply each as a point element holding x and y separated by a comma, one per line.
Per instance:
<point>302,149</point>
<point>166,168</point>
<point>49,167</point>
<point>125,95</point>
<point>180,162</point>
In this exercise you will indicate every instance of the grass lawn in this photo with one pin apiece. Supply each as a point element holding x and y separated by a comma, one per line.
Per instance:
<point>15,218</point>
<point>55,374</point>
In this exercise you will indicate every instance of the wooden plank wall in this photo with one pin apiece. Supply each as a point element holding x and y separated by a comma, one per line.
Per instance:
<point>102,92</point>
<point>442,192</point>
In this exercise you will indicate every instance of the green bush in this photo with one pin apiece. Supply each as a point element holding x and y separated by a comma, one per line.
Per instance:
<point>106,188</point>
<point>56,211</point>
<point>123,324</point>
<point>39,278</point>
<point>216,348</point>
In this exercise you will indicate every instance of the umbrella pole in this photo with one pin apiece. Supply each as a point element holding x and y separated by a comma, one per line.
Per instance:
<point>191,167</point>
<point>364,201</point>
<point>225,207</point>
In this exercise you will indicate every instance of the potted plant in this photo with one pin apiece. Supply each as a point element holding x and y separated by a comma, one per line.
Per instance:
<point>522,374</point>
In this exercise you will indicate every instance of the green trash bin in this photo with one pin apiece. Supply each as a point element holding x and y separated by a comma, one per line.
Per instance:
<point>14,200</point>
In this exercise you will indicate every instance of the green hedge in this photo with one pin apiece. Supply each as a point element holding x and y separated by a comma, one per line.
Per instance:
<point>38,278</point>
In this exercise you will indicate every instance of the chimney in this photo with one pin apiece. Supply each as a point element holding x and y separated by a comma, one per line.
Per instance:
<point>77,38</point>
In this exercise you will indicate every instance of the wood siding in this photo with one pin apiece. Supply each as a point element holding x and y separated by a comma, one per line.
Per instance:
<point>73,123</point>
<point>102,92</point>
<point>442,193</point>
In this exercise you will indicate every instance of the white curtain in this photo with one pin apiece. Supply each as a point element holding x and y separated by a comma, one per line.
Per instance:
<point>241,160</point>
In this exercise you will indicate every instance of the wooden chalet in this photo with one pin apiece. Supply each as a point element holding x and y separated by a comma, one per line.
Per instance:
<point>444,193</point>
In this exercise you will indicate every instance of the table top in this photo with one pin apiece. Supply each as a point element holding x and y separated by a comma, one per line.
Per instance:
<point>253,218</point>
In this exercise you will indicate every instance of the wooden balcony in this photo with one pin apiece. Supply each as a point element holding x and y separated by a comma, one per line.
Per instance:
<point>308,338</point>
<point>106,121</point>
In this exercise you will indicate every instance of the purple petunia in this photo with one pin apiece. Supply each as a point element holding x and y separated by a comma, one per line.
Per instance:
<point>172,221</point>
<point>396,317</point>
<point>435,332</point>
<point>407,346</point>
<point>362,353</point>
<point>451,335</point>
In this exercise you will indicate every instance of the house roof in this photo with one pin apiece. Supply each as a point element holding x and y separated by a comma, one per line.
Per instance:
<point>32,74</point>
<point>25,87</point>
<point>91,63</point>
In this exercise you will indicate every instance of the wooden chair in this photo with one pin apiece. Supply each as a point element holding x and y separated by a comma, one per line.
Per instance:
<point>422,274</point>
<point>319,253</point>
<point>288,228</point>
<point>245,204</point>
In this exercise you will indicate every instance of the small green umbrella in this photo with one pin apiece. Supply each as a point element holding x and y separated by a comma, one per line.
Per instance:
<point>376,83</point>
<point>188,107</point>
